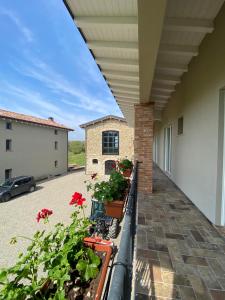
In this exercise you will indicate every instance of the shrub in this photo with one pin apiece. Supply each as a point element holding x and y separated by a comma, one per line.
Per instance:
<point>125,164</point>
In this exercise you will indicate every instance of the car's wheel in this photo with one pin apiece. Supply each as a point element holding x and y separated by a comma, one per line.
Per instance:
<point>113,229</point>
<point>6,197</point>
<point>32,189</point>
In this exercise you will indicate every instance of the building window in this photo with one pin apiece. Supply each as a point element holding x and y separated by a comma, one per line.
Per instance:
<point>56,145</point>
<point>168,149</point>
<point>56,131</point>
<point>8,145</point>
<point>110,142</point>
<point>8,125</point>
<point>180,125</point>
<point>56,163</point>
<point>8,174</point>
<point>94,161</point>
<point>109,166</point>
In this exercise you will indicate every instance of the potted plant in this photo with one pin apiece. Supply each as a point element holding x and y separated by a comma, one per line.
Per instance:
<point>113,193</point>
<point>125,166</point>
<point>59,264</point>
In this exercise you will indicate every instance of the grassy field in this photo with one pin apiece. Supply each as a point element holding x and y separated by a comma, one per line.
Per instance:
<point>78,159</point>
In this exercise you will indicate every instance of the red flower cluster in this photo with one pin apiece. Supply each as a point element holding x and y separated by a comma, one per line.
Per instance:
<point>77,199</point>
<point>44,213</point>
<point>114,165</point>
<point>93,176</point>
<point>121,166</point>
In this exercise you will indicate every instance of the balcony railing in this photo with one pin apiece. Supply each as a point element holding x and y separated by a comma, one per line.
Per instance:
<point>122,268</point>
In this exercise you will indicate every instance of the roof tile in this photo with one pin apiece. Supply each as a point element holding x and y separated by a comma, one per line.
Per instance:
<point>4,114</point>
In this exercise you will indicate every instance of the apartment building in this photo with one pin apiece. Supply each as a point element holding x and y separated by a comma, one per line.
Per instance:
<point>32,146</point>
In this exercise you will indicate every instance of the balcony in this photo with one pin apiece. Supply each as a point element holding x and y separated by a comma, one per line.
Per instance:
<point>178,253</point>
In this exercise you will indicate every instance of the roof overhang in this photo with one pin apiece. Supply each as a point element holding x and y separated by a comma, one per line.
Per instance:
<point>103,119</point>
<point>143,47</point>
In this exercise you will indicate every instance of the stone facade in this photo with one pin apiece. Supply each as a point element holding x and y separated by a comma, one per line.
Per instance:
<point>143,145</point>
<point>93,143</point>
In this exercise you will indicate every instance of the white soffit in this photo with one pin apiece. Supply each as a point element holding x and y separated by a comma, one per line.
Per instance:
<point>186,24</point>
<point>143,47</point>
<point>110,29</point>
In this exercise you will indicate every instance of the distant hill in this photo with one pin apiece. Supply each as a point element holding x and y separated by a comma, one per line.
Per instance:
<point>76,151</point>
<point>76,147</point>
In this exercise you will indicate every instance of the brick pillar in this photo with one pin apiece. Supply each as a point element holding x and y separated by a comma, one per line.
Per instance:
<point>143,145</point>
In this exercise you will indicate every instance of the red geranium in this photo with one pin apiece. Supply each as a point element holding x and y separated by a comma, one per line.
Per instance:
<point>114,165</point>
<point>77,199</point>
<point>80,201</point>
<point>44,214</point>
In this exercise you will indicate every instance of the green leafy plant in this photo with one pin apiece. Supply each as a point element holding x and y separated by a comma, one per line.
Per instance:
<point>107,191</point>
<point>58,256</point>
<point>118,182</point>
<point>125,164</point>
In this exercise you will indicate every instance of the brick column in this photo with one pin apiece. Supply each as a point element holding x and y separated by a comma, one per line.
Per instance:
<point>143,145</point>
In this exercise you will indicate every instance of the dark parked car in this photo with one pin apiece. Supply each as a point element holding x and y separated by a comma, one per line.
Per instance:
<point>16,186</point>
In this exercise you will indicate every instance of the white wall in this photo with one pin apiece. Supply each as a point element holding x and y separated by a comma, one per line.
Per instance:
<point>33,150</point>
<point>195,153</point>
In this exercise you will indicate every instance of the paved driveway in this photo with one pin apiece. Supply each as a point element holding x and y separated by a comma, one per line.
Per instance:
<point>18,216</point>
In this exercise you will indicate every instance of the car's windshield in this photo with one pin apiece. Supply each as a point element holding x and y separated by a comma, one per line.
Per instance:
<point>7,183</point>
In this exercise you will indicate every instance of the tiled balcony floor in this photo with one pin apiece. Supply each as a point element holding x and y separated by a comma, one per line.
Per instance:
<point>180,255</point>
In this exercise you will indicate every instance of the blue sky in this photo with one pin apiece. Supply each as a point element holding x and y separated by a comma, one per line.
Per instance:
<point>46,68</point>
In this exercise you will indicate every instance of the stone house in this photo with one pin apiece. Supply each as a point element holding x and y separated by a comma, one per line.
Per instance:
<point>106,140</point>
<point>32,146</point>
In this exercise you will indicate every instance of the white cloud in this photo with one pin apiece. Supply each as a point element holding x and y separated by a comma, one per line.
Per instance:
<point>78,96</point>
<point>30,102</point>
<point>27,33</point>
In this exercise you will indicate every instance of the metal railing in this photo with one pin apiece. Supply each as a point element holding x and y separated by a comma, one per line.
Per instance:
<point>121,281</point>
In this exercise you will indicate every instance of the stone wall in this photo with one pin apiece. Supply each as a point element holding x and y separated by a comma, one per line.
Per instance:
<point>94,144</point>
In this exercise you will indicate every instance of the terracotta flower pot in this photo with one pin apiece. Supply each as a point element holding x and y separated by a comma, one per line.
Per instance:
<point>114,209</point>
<point>127,172</point>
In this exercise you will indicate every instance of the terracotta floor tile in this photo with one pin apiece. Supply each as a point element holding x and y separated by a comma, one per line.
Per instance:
<point>165,261</point>
<point>187,293</point>
<point>200,290</point>
<point>218,295</point>
<point>147,254</point>
<point>177,279</point>
<point>174,236</point>
<point>180,254</point>
<point>194,260</point>
<point>164,290</point>
<point>197,236</point>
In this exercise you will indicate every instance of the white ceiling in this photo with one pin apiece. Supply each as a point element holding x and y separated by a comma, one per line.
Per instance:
<point>110,28</point>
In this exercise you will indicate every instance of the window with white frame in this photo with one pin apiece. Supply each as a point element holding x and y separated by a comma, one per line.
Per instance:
<point>180,125</point>
<point>167,149</point>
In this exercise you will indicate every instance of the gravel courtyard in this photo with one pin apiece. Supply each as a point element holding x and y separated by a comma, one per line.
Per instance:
<point>18,216</point>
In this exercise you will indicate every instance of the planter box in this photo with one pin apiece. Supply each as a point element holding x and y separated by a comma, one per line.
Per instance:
<point>102,247</point>
<point>114,209</point>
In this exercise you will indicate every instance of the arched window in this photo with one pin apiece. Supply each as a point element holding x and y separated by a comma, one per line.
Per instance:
<point>110,142</point>
<point>109,166</point>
